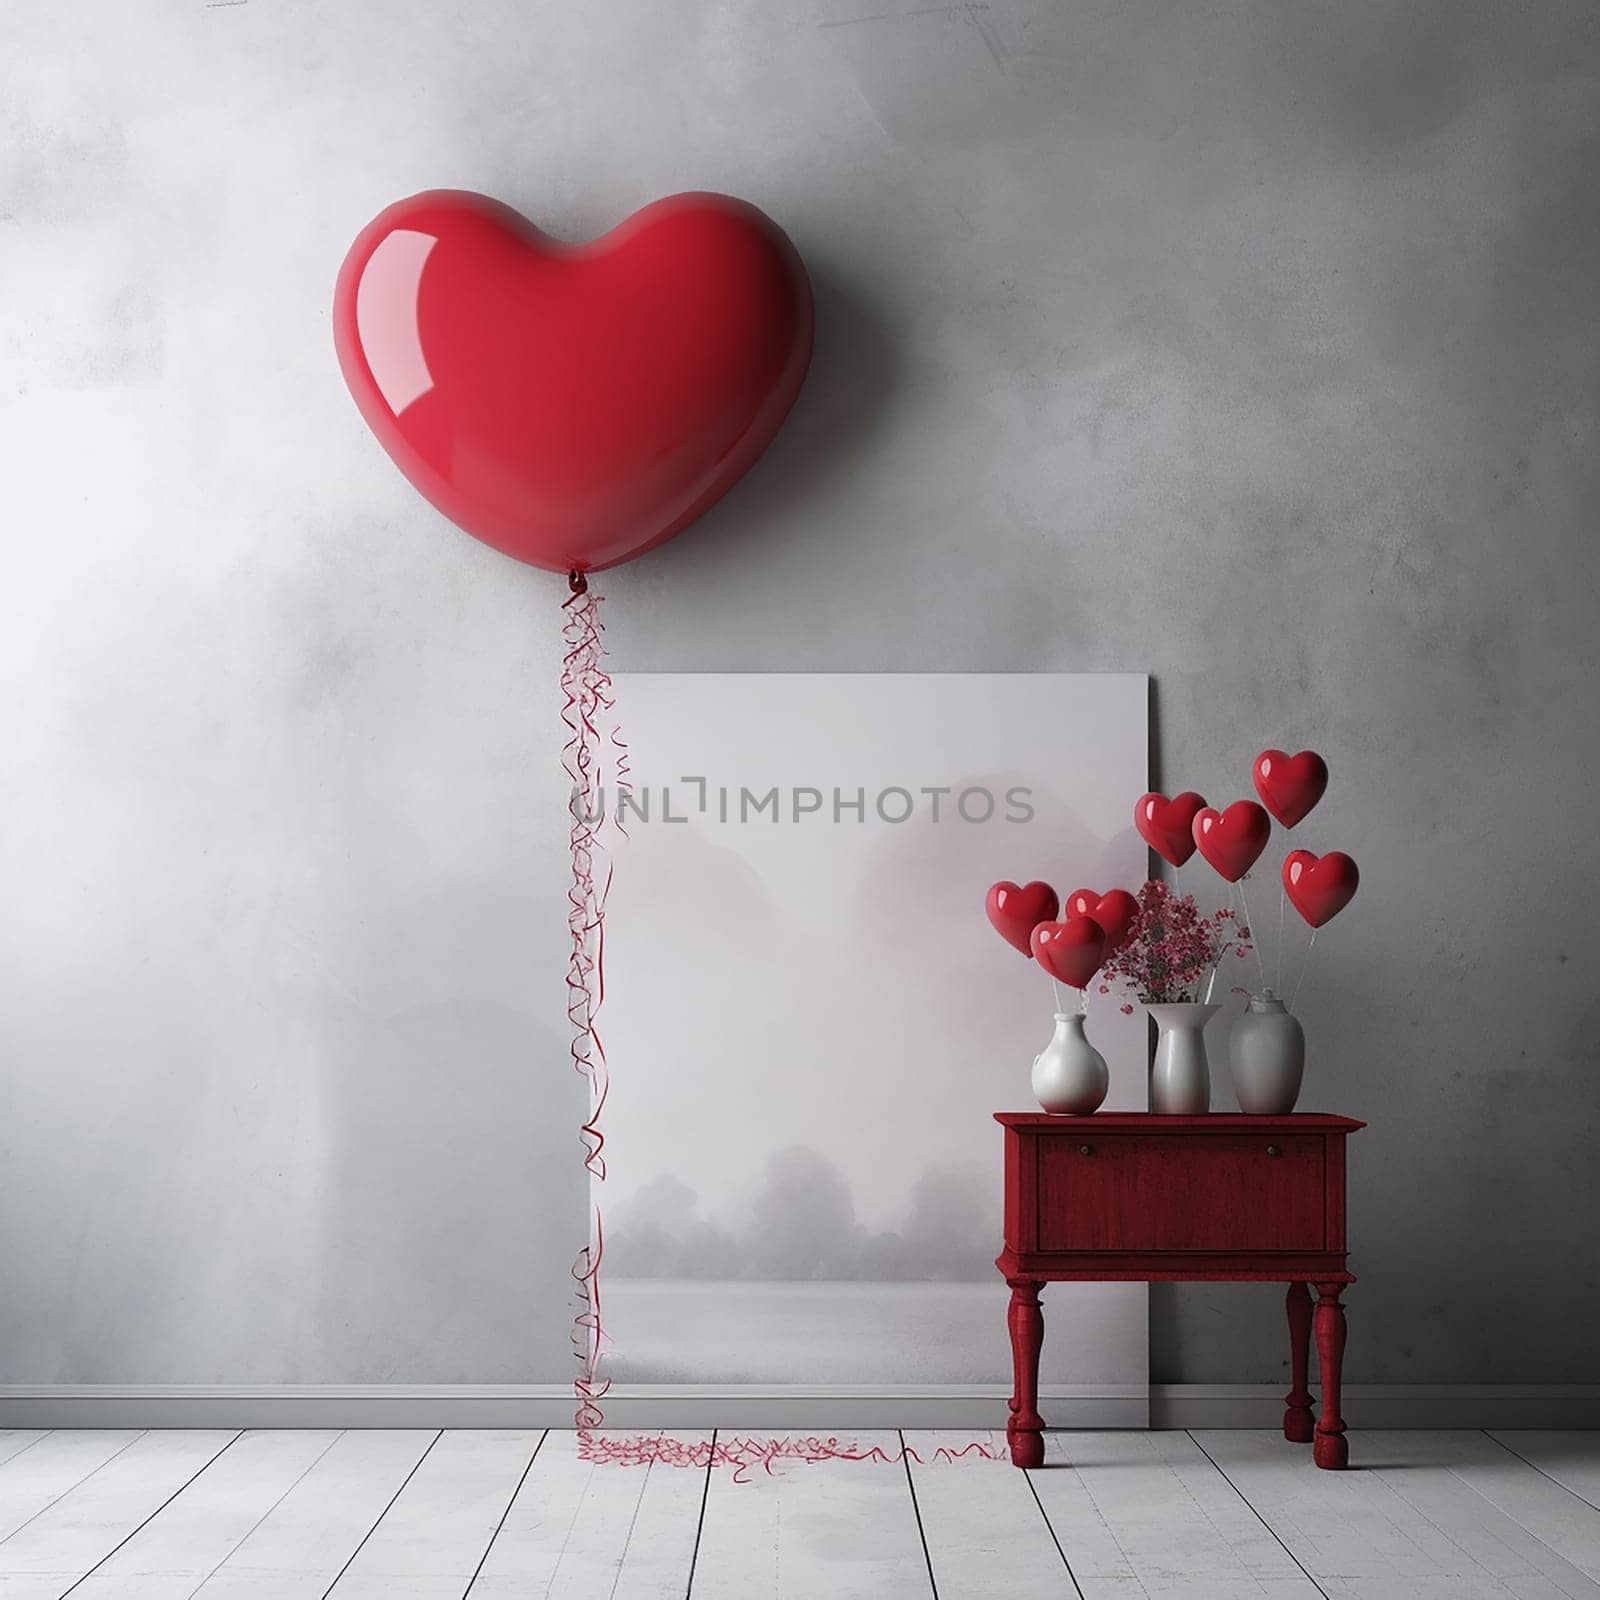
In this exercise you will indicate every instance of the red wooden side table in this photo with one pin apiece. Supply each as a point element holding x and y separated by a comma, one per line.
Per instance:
<point>1122,1196</point>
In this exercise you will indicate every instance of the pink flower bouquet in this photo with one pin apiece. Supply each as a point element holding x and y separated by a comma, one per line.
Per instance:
<point>1173,952</point>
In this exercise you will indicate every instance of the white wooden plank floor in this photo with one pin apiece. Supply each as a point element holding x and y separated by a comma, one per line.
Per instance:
<point>486,1515</point>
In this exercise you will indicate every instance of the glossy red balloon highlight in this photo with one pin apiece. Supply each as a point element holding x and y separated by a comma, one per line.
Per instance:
<point>1015,911</point>
<point>1167,826</point>
<point>572,405</point>
<point>1070,951</point>
<point>1290,786</point>
<point>1232,840</point>
<point>1116,911</point>
<point>1319,888</point>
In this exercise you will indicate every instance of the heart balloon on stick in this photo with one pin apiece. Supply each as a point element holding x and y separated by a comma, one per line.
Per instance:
<point>1015,911</point>
<point>1167,826</point>
<point>1115,911</point>
<point>1070,951</point>
<point>1319,888</point>
<point>1290,786</point>
<point>1232,840</point>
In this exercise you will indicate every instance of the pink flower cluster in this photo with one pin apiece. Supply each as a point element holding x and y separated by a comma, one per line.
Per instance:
<point>1172,948</point>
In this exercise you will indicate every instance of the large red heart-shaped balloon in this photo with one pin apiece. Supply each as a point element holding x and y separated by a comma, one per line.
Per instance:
<point>1015,912</point>
<point>1319,889</point>
<point>1290,786</point>
<point>572,405</point>
<point>1167,826</point>
<point>1115,911</point>
<point>1071,951</point>
<point>1232,840</point>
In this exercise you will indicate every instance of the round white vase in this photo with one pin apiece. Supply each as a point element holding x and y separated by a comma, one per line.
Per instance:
<point>1268,1057</point>
<point>1070,1076</point>
<point>1180,1075</point>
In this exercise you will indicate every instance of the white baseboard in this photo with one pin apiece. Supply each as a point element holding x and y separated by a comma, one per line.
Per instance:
<point>763,1408</point>
<point>1384,1405</point>
<point>754,1408</point>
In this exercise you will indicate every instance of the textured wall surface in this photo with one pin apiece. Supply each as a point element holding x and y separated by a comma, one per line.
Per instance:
<point>1253,346</point>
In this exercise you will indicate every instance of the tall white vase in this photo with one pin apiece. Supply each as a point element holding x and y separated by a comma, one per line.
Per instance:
<point>1180,1076</point>
<point>1268,1057</point>
<point>1069,1075</point>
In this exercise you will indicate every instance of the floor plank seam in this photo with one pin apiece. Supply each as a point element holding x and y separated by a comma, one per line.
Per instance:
<point>916,1511</point>
<point>438,1435</point>
<point>522,1479</point>
<point>1033,1489</point>
<point>71,1486</point>
<point>154,1514</point>
<point>264,1515</point>
<point>572,1526</point>
<point>633,1522</point>
<point>1399,1494</point>
<point>1581,1499</point>
<point>27,1447</point>
<point>1282,1545</point>
<point>700,1524</point>
<point>1517,1522</point>
<point>1106,1523</point>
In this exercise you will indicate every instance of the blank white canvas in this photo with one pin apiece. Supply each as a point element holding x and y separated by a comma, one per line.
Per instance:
<point>809,1023</point>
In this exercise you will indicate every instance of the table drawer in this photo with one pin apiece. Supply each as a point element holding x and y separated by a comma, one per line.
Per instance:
<point>1203,1191</point>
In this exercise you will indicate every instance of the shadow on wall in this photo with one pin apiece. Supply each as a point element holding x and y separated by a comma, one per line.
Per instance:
<point>835,420</point>
<point>802,1227</point>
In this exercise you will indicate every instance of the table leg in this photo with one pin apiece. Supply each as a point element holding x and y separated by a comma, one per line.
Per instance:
<point>1330,1449</point>
<point>1025,1429</point>
<point>1299,1423</point>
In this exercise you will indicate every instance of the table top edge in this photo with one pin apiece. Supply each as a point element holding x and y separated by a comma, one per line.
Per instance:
<point>1150,1121</point>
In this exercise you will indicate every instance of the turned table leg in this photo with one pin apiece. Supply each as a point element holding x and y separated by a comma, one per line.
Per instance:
<point>1330,1449</point>
<point>1299,1423</point>
<point>1025,1429</point>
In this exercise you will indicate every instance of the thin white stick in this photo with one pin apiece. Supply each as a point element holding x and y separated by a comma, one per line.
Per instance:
<point>1305,962</point>
<point>1282,901</point>
<point>1255,944</point>
<point>1057,987</point>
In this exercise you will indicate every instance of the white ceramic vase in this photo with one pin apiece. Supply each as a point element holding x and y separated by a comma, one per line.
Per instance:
<point>1268,1057</point>
<point>1069,1075</point>
<point>1180,1076</point>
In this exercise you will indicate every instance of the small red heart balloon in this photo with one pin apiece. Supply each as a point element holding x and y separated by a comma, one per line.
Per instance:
<point>1320,888</point>
<point>572,406</point>
<point>1115,911</point>
<point>1290,786</point>
<point>1070,951</point>
<point>1232,840</point>
<point>1014,912</point>
<point>1167,826</point>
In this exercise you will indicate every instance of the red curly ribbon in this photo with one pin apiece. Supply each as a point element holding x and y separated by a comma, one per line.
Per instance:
<point>587,701</point>
<point>746,1453</point>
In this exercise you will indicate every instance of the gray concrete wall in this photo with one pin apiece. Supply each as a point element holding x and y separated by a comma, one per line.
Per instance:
<point>1253,346</point>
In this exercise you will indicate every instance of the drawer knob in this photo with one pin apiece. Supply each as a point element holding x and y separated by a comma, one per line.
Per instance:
<point>1273,1150</point>
<point>1085,1149</point>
